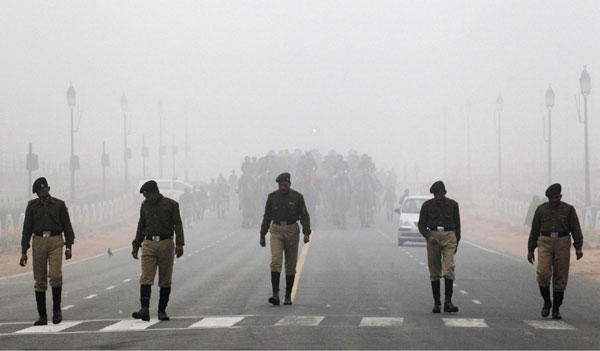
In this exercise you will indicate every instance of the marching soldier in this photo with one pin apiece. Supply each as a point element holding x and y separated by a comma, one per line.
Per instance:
<point>46,219</point>
<point>159,218</point>
<point>283,209</point>
<point>439,223</point>
<point>554,222</point>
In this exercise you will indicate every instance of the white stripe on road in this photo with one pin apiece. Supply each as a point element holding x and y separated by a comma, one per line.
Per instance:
<point>422,263</point>
<point>126,280</point>
<point>465,322</point>
<point>110,287</point>
<point>477,302</point>
<point>480,247</point>
<point>90,296</point>
<point>50,328</point>
<point>537,324</point>
<point>135,324</point>
<point>300,320</point>
<point>381,322</point>
<point>67,307</point>
<point>216,322</point>
<point>463,292</point>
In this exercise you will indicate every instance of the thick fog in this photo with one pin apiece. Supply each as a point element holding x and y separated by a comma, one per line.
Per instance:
<point>387,78</point>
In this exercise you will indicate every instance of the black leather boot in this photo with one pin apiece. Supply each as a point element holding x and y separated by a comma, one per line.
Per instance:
<point>449,287</point>
<point>162,304</point>
<point>545,291</point>
<point>275,276</point>
<point>144,312</point>
<point>558,299</point>
<point>56,299</point>
<point>435,289</point>
<point>289,285</point>
<point>40,299</point>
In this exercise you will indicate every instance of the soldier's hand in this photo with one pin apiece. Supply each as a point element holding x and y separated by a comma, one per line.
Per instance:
<point>179,251</point>
<point>263,242</point>
<point>68,253</point>
<point>134,253</point>
<point>433,240</point>
<point>306,239</point>
<point>579,254</point>
<point>530,257</point>
<point>23,260</point>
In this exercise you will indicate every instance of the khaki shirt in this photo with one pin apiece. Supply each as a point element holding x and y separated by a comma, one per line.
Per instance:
<point>285,207</point>
<point>161,217</point>
<point>52,216</point>
<point>561,218</point>
<point>438,213</point>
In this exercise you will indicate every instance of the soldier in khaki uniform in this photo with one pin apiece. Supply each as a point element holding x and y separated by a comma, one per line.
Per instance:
<point>46,219</point>
<point>159,218</point>
<point>283,209</point>
<point>439,223</point>
<point>554,222</point>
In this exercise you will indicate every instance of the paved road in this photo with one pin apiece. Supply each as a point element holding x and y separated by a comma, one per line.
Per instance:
<point>357,290</point>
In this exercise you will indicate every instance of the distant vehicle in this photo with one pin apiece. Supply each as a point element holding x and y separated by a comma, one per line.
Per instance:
<point>408,229</point>
<point>169,187</point>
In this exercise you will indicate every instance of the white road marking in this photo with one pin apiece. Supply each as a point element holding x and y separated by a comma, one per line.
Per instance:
<point>463,292</point>
<point>50,328</point>
<point>216,322</point>
<point>67,307</point>
<point>422,263</point>
<point>131,324</point>
<point>454,284</point>
<point>300,320</point>
<point>126,280</point>
<point>538,324</point>
<point>90,296</point>
<point>110,287</point>
<point>465,322</point>
<point>477,302</point>
<point>381,322</point>
<point>492,251</point>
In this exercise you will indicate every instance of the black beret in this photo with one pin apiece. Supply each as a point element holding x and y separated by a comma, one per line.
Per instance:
<point>39,184</point>
<point>283,177</point>
<point>553,190</point>
<point>149,187</point>
<point>437,187</point>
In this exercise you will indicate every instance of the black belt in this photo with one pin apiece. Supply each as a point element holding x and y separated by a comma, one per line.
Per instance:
<point>158,237</point>
<point>555,234</point>
<point>284,222</point>
<point>441,229</point>
<point>49,233</point>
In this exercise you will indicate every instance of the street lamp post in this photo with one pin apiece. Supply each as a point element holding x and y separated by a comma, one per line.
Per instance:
<point>72,162</point>
<point>32,165</point>
<point>585,85</point>
<point>549,105</point>
<point>105,162</point>
<point>499,109</point>
<point>126,151</point>
<point>145,153</point>
<point>161,148</point>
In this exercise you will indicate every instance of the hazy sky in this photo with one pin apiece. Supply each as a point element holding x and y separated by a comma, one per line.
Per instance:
<point>390,78</point>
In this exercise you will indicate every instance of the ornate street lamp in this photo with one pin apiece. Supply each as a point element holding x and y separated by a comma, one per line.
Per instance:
<point>585,85</point>
<point>549,105</point>
<point>73,161</point>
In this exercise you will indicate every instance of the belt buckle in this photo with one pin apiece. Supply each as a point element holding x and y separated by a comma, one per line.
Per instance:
<point>440,229</point>
<point>283,223</point>
<point>46,234</point>
<point>156,238</point>
<point>554,235</point>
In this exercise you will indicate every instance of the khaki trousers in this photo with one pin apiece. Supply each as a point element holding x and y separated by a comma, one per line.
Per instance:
<point>47,253</point>
<point>284,238</point>
<point>440,256</point>
<point>553,261</point>
<point>159,254</point>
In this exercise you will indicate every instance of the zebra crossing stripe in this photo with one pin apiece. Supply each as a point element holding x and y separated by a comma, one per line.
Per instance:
<point>537,324</point>
<point>465,322</point>
<point>306,321</point>
<point>132,324</point>
<point>50,328</point>
<point>216,322</point>
<point>381,322</point>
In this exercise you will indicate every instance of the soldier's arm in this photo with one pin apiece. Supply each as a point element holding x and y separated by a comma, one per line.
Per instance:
<point>65,221</point>
<point>176,215</point>
<point>139,234</point>
<point>423,222</point>
<point>535,231</point>
<point>457,223</point>
<point>264,228</point>
<point>27,230</point>
<point>304,217</point>
<point>575,230</point>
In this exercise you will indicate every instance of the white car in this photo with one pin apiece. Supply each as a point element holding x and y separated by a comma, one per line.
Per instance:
<point>169,187</point>
<point>408,229</point>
